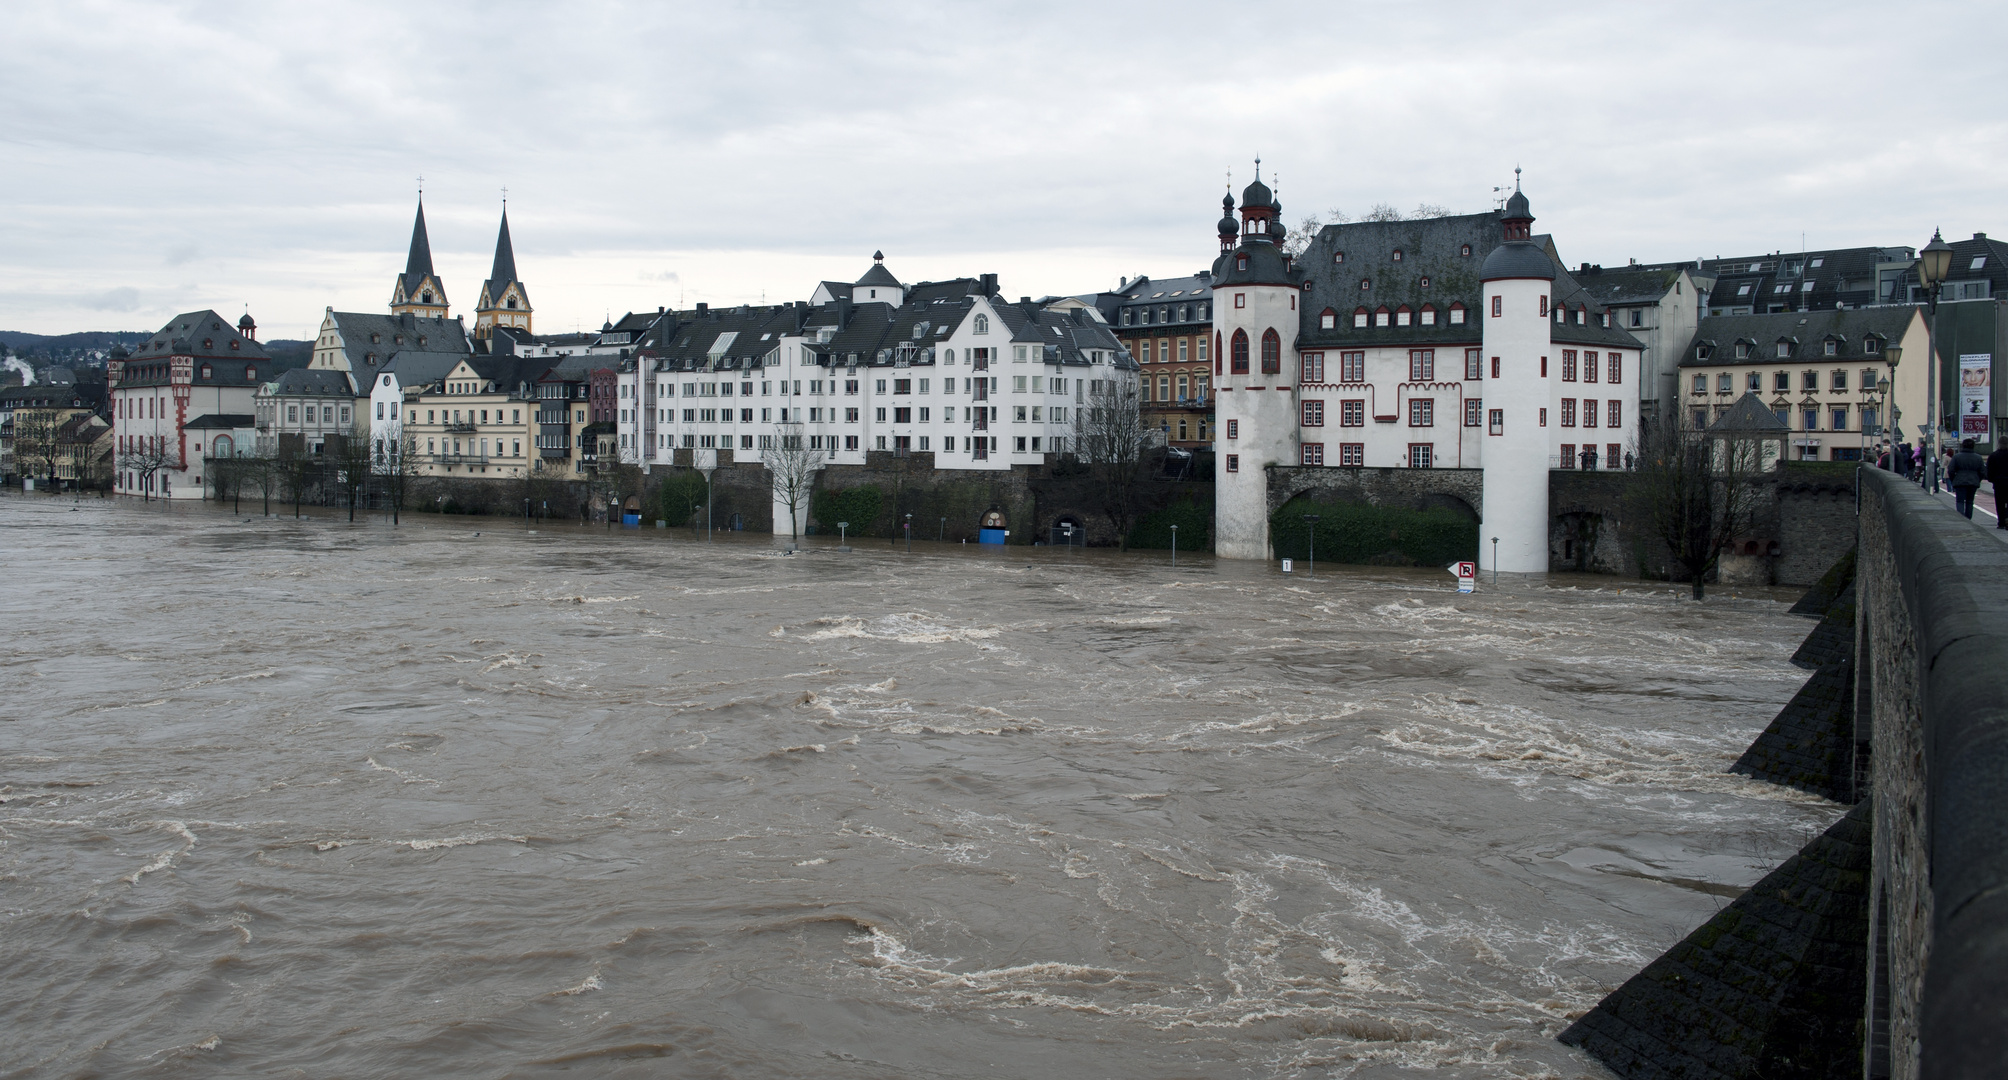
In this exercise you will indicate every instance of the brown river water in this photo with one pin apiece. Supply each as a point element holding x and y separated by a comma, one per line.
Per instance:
<point>286,798</point>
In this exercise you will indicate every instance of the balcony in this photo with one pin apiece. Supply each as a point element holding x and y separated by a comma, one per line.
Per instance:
<point>981,421</point>
<point>458,427</point>
<point>981,391</point>
<point>460,459</point>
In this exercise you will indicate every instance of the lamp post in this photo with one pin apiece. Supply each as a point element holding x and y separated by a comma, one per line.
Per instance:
<point>1174,547</point>
<point>909,534</point>
<point>1892,355</point>
<point>1495,562</point>
<point>1311,535</point>
<point>942,535</point>
<point>1933,263</point>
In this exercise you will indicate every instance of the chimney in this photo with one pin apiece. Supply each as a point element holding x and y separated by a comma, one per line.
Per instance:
<point>703,309</point>
<point>990,284</point>
<point>1980,236</point>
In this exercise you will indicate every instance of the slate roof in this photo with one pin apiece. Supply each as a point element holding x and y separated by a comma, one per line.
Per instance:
<point>368,340</point>
<point>1516,259</point>
<point>1153,303</point>
<point>878,275</point>
<point>87,395</point>
<point>418,264</point>
<point>201,334</point>
<point>416,369</point>
<point>1751,416</point>
<point>1993,268</point>
<point>1807,329</point>
<point>1431,249</point>
<point>1629,284</point>
<point>1837,276</point>
<point>221,422</point>
<point>315,382</point>
<point>1572,298</point>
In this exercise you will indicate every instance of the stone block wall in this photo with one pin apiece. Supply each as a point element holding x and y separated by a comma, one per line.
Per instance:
<point>1933,607</point>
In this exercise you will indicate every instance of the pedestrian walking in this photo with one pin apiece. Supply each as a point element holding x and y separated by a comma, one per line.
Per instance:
<point>1963,474</point>
<point>1903,460</point>
<point>1997,474</point>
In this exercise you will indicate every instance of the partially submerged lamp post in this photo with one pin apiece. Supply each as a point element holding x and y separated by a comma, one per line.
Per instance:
<point>1311,534</point>
<point>1174,547</point>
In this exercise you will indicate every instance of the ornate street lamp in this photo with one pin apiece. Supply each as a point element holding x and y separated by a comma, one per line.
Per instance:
<point>1933,263</point>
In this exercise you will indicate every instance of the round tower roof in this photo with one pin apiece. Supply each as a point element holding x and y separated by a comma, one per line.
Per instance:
<point>245,323</point>
<point>1517,259</point>
<point>1257,194</point>
<point>1227,225</point>
<point>1516,206</point>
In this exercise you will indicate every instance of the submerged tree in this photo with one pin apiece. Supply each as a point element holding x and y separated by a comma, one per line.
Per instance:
<point>148,458</point>
<point>1694,488</point>
<point>1110,434</point>
<point>792,468</point>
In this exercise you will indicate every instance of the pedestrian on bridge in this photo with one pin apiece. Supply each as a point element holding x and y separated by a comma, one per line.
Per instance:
<point>1963,475</point>
<point>1997,474</point>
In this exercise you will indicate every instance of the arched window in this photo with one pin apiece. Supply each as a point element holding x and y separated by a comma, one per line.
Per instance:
<point>1240,352</point>
<point>982,324</point>
<point>1328,320</point>
<point>1272,352</point>
<point>1216,352</point>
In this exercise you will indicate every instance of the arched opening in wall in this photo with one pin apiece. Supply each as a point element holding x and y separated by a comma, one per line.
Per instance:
<point>1272,352</point>
<point>1067,530</point>
<point>1240,360</point>
<point>994,527</point>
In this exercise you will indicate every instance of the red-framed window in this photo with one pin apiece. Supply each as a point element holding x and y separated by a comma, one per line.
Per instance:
<point>1614,413</point>
<point>1457,313</point>
<point>1353,454</point>
<point>1328,319</point>
<point>1311,453</point>
<point>1590,366</point>
<point>1359,318</point>
<point>1422,412</point>
<point>1240,352</point>
<point>1314,413</point>
<point>1496,421</point>
<point>1233,460</point>
<point>1473,410</point>
<point>1568,412</point>
<point>1403,316</point>
<point>1421,455</point>
<point>1352,367</point>
<point>1353,413</point>
<point>1382,315</point>
<point>1233,429</point>
<point>1568,459</point>
<point>1617,366</point>
<point>1589,412</point>
<point>1272,352</point>
<point>1422,365</point>
<point>1544,418</point>
<point>1544,307</point>
<point>1314,367</point>
<point>1474,364</point>
<point>1568,368</point>
<point>1499,306</point>
<point>1611,452</point>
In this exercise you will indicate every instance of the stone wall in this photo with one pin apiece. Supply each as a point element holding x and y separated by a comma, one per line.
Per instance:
<point>1932,594</point>
<point>1419,489</point>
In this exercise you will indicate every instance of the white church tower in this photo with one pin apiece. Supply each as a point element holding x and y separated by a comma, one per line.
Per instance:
<point>1518,277</point>
<point>1255,291</point>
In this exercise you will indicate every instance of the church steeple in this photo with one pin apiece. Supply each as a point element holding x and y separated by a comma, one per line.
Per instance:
<point>418,290</point>
<point>504,300</point>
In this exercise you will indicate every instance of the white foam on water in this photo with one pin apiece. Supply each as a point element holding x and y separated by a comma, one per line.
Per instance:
<point>459,841</point>
<point>409,778</point>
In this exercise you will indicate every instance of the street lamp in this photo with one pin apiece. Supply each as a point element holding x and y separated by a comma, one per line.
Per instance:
<point>942,535</point>
<point>1893,355</point>
<point>1495,562</point>
<point>1174,547</point>
<point>909,534</point>
<point>1311,531</point>
<point>1933,263</point>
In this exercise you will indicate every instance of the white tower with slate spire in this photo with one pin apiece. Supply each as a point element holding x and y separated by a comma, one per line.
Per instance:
<point>1517,278</point>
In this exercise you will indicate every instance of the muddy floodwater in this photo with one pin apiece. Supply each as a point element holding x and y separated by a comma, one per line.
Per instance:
<point>286,798</point>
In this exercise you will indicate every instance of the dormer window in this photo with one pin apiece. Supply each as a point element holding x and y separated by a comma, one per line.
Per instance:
<point>1582,316</point>
<point>233,345</point>
<point>1871,345</point>
<point>208,372</point>
<point>1338,256</point>
<point>1464,251</point>
<point>1241,262</point>
<point>1397,255</point>
<point>1457,313</point>
<point>1380,316</point>
<point>208,343</point>
<point>512,303</point>
<point>1742,350</point>
<point>1328,320</point>
<point>1425,282</point>
<point>1784,349</point>
<point>1428,315</point>
<point>250,374</point>
<point>376,339</point>
<point>1402,315</point>
<point>426,296</point>
<point>1366,284</point>
<point>1359,318</point>
<point>1833,348</point>
<point>1701,352</point>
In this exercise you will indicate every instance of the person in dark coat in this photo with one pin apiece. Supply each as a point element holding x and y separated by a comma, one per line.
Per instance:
<point>1903,460</point>
<point>1963,475</point>
<point>1997,474</point>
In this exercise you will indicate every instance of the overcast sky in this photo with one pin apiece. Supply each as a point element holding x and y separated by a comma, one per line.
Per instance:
<point>161,157</point>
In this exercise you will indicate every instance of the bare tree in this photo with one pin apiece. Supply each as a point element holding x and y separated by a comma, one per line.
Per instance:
<point>1110,434</point>
<point>393,462</point>
<point>38,442</point>
<point>148,458</point>
<point>792,466</point>
<point>354,465</point>
<point>1382,212</point>
<point>1694,492</point>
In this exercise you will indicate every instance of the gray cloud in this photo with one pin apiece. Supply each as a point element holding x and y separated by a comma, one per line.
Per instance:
<point>749,144</point>
<point>122,299</point>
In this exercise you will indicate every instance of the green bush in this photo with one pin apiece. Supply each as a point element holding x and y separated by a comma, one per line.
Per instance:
<point>859,505</point>
<point>1373,535</point>
<point>1194,521</point>
<point>679,496</point>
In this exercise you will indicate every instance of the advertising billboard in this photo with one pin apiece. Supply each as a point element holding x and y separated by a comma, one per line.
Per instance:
<point>1976,394</point>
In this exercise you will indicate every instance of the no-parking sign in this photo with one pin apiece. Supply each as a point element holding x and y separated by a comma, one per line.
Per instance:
<point>1467,575</point>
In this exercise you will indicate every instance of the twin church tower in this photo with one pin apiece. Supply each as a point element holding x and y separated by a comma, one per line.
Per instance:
<point>504,301</point>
